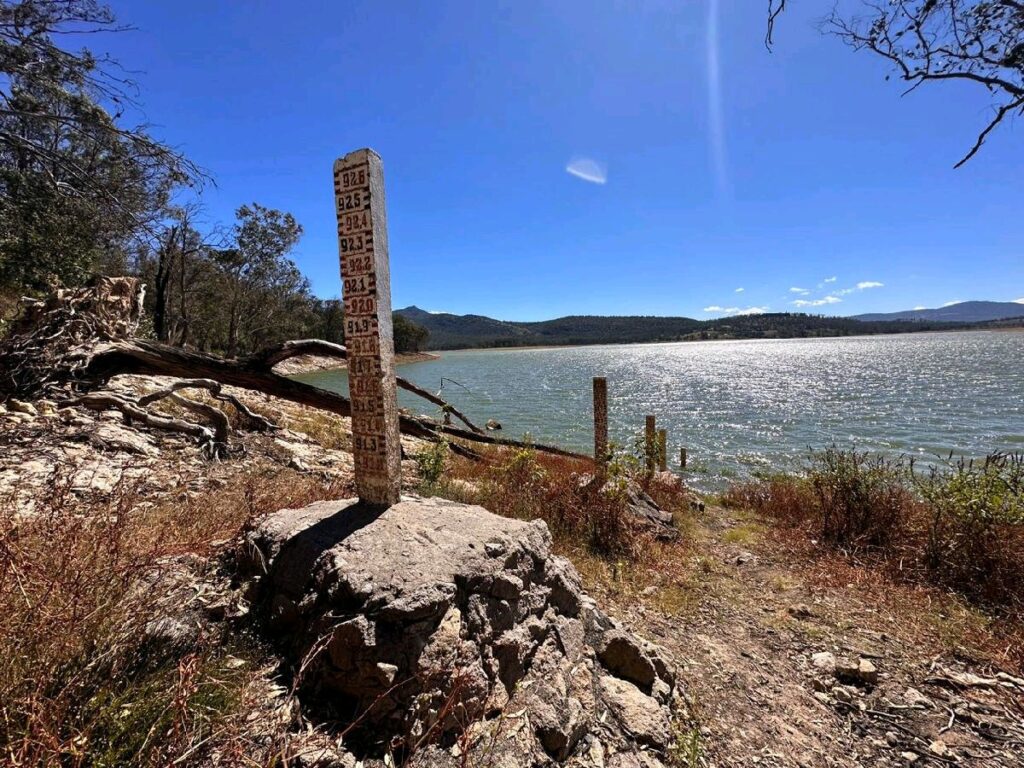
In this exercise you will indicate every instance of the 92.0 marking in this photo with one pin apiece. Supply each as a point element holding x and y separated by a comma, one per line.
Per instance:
<point>360,305</point>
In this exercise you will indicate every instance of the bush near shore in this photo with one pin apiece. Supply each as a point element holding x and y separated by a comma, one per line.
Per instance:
<point>959,526</point>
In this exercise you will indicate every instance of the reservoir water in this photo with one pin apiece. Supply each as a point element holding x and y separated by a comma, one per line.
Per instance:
<point>741,407</point>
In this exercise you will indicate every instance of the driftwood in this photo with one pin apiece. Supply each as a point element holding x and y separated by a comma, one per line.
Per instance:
<point>78,340</point>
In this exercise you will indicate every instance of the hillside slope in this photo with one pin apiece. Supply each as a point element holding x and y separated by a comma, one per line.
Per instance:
<point>448,331</point>
<point>963,312</point>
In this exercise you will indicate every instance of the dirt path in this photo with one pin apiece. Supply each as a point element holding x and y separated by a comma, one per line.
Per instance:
<point>759,638</point>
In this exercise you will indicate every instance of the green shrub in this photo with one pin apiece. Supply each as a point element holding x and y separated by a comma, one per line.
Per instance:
<point>862,498</point>
<point>974,532</point>
<point>960,525</point>
<point>431,461</point>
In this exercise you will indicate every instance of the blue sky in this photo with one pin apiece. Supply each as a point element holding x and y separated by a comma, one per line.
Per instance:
<point>581,157</point>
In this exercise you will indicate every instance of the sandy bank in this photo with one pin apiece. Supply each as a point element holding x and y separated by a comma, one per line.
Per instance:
<point>309,363</point>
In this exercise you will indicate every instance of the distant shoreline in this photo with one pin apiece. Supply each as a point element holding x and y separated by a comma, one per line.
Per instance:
<point>515,348</point>
<point>312,363</point>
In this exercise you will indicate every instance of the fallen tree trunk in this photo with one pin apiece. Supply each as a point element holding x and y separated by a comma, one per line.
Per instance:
<point>77,340</point>
<point>150,358</point>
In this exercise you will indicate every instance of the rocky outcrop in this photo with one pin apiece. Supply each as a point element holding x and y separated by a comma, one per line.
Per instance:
<point>440,628</point>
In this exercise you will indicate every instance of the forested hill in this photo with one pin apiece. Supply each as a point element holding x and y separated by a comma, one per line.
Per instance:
<point>449,331</point>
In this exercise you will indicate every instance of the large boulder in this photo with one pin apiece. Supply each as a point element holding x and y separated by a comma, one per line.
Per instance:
<point>438,623</point>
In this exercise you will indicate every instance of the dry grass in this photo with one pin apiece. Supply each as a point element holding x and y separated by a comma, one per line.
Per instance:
<point>79,583</point>
<point>583,514</point>
<point>952,538</point>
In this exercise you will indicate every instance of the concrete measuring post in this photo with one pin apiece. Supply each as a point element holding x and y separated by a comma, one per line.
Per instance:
<point>366,291</point>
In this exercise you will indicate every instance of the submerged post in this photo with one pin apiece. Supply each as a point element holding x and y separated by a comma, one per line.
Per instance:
<point>600,419</point>
<point>366,290</point>
<point>662,450</point>
<point>650,440</point>
<point>682,458</point>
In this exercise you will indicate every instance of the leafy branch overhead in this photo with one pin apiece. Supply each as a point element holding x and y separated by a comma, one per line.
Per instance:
<point>77,183</point>
<point>979,42</point>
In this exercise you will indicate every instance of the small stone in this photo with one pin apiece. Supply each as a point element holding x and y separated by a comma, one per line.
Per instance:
<point>915,698</point>
<point>910,757</point>
<point>867,672</point>
<point>825,661</point>
<point>861,672</point>
<point>641,714</point>
<point>938,748</point>
<point>847,670</point>
<point>493,424</point>
<point>820,685</point>
<point>839,693</point>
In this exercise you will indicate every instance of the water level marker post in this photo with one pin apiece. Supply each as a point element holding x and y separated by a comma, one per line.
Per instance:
<point>369,339</point>
<point>650,442</point>
<point>601,420</point>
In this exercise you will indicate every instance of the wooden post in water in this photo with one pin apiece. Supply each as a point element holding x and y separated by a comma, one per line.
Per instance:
<point>366,290</point>
<point>601,420</point>
<point>682,458</point>
<point>662,450</point>
<point>650,442</point>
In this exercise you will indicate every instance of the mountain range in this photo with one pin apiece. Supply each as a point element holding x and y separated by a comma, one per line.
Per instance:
<point>448,331</point>
<point>961,312</point>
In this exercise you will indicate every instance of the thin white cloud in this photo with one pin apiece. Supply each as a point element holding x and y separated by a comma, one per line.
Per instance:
<point>587,169</point>
<point>861,286</point>
<point>919,308</point>
<point>801,291</point>
<point>736,310</point>
<point>740,290</point>
<point>817,302</point>
<point>830,279</point>
<point>954,301</point>
<point>1019,301</point>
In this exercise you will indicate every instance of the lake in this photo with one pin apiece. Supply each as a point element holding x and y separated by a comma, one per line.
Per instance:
<point>741,407</point>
